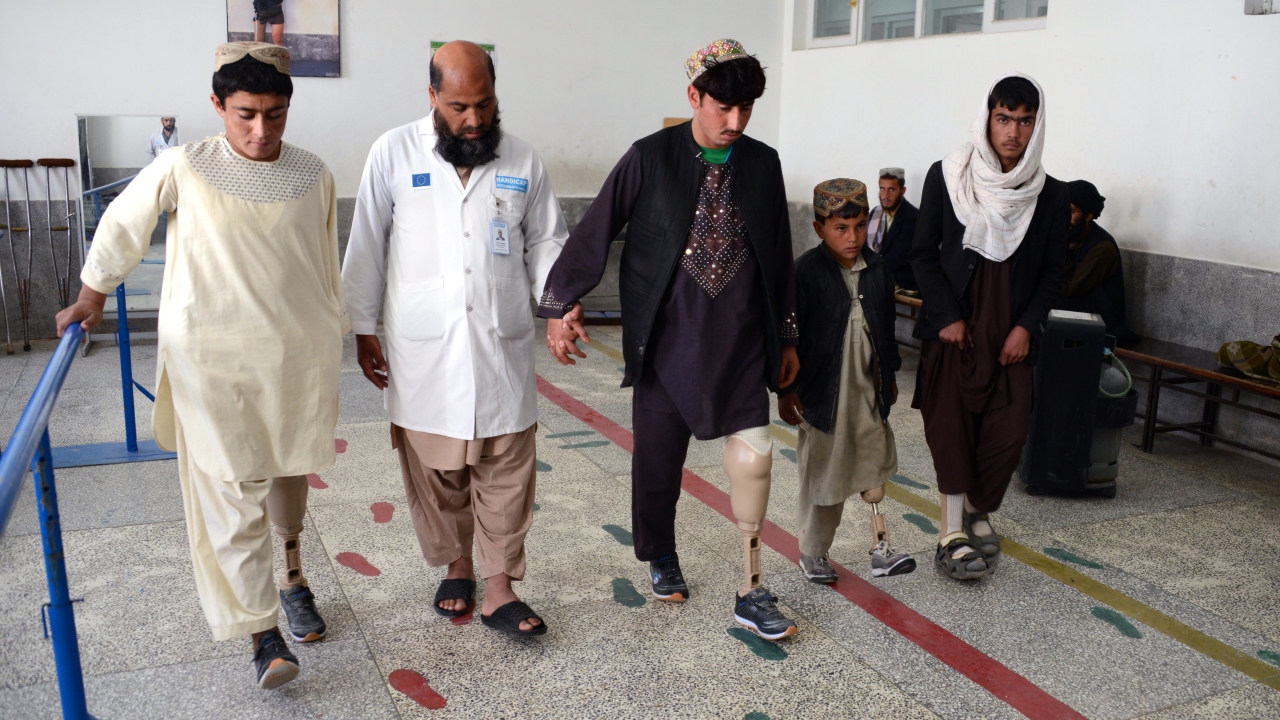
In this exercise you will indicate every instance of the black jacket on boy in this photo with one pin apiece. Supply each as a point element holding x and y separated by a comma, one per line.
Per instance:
<point>823,305</point>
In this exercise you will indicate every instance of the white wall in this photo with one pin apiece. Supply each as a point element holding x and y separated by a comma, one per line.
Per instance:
<point>1169,110</point>
<point>580,79</point>
<point>122,141</point>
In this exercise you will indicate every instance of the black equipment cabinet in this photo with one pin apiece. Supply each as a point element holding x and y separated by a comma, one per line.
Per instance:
<point>1057,454</point>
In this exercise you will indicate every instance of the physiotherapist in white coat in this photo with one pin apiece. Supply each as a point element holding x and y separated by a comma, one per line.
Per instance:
<point>456,227</point>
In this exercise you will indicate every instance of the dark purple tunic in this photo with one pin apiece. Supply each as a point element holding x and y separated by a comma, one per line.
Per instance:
<point>708,342</point>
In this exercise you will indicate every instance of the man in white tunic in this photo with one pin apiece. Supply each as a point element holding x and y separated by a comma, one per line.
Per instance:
<point>250,343</point>
<point>456,227</point>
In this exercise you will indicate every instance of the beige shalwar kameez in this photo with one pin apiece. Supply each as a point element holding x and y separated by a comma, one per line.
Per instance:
<point>250,346</point>
<point>859,453</point>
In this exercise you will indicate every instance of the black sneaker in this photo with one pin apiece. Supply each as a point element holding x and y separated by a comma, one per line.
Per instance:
<point>668,581</point>
<point>273,661</point>
<point>758,611</point>
<point>305,623</point>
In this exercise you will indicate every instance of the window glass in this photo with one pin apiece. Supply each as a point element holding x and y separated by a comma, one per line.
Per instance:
<point>1021,9</point>
<point>831,18</point>
<point>888,19</point>
<point>943,17</point>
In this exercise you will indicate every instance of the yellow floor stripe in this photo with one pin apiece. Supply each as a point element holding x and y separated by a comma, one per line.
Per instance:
<point>1259,670</point>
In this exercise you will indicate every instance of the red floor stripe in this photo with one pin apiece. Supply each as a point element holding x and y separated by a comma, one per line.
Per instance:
<point>1020,693</point>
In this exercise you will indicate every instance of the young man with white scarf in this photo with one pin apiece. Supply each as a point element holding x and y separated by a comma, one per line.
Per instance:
<point>988,254</point>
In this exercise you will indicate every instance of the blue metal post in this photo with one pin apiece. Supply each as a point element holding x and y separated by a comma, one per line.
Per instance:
<point>62,619</point>
<point>126,371</point>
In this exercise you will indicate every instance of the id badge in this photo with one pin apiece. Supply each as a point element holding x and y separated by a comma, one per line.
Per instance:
<point>499,237</point>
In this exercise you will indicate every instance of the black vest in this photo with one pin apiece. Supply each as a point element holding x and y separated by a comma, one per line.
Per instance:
<point>671,176</point>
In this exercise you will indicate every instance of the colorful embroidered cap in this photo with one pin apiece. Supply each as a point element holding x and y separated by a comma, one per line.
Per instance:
<point>707,57</point>
<point>831,195</point>
<point>275,55</point>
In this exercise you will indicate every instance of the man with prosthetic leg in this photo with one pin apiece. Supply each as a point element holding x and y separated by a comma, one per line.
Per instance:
<point>988,255</point>
<point>708,311</point>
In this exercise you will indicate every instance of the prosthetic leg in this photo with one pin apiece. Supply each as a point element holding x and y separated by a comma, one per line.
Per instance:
<point>884,561</point>
<point>287,508</point>
<point>748,461</point>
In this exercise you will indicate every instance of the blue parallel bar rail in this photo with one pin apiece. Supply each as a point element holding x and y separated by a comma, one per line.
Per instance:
<point>29,447</point>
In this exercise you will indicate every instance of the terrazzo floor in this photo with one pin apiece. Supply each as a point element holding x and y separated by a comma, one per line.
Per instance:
<point>1192,538</point>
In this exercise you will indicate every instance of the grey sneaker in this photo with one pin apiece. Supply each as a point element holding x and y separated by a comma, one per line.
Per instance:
<point>817,569</point>
<point>886,562</point>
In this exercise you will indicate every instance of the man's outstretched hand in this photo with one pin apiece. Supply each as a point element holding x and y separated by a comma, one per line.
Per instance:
<point>563,334</point>
<point>86,310</point>
<point>372,363</point>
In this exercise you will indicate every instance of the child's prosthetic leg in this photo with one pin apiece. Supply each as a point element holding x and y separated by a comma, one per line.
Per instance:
<point>748,461</point>
<point>884,561</point>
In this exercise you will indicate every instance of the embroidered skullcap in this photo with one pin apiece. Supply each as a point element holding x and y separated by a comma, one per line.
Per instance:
<point>898,173</point>
<point>1085,196</point>
<point>831,195</point>
<point>275,55</point>
<point>707,57</point>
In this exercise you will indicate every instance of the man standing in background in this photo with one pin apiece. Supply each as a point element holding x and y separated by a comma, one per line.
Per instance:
<point>164,138</point>
<point>892,226</point>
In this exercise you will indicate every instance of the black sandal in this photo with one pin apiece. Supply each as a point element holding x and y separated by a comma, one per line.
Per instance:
<point>455,589</point>
<point>507,619</point>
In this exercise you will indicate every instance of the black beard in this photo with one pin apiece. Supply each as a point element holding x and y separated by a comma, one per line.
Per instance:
<point>892,208</point>
<point>1076,233</point>
<point>463,153</point>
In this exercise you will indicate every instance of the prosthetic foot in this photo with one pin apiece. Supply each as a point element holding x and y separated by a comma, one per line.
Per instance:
<point>748,461</point>
<point>305,623</point>
<point>884,561</point>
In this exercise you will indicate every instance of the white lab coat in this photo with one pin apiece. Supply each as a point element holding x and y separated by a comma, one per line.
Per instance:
<point>157,144</point>
<point>459,327</point>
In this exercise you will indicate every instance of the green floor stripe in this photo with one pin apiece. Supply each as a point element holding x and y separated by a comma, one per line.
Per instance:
<point>574,433</point>
<point>1118,621</point>
<point>593,443</point>
<point>620,534</point>
<point>543,467</point>
<point>1271,657</point>
<point>758,645</point>
<point>1068,556</point>
<point>755,716</point>
<point>910,483</point>
<point>624,593</point>
<point>536,506</point>
<point>921,522</point>
<point>789,454</point>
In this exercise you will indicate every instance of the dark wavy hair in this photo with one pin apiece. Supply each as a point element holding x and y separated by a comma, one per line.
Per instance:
<point>850,211</point>
<point>1014,92</point>
<point>733,82</point>
<point>252,76</point>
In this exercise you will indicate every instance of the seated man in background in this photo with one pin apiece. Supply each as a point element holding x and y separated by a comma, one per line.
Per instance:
<point>891,227</point>
<point>1095,277</point>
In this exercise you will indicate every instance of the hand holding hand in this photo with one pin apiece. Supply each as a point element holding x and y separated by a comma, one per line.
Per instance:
<point>563,334</point>
<point>790,410</point>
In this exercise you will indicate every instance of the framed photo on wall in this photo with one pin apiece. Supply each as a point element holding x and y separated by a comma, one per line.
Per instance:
<point>309,28</point>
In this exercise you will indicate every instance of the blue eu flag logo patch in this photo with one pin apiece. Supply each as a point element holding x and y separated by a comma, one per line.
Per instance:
<point>421,180</point>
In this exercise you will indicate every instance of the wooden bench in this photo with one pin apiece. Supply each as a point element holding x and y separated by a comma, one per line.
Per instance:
<point>1175,367</point>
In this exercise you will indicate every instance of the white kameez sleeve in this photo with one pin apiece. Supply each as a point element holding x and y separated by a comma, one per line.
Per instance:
<point>544,230</point>
<point>364,270</point>
<point>124,231</point>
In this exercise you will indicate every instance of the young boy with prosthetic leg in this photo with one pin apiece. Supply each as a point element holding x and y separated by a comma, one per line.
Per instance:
<point>842,396</point>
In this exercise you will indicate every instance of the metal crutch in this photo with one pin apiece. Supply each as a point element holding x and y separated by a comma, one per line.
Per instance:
<point>64,281</point>
<point>24,284</point>
<point>4,302</point>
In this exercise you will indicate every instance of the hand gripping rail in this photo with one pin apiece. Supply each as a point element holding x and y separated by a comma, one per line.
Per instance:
<point>29,448</point>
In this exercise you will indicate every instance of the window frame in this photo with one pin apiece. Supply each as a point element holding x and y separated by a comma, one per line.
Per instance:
<point>858,20</point>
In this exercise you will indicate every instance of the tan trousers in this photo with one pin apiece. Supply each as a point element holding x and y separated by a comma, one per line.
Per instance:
<point>465,490</point>
<point>231,546</point>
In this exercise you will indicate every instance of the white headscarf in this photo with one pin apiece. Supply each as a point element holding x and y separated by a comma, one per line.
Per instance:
<point>995,206</point>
